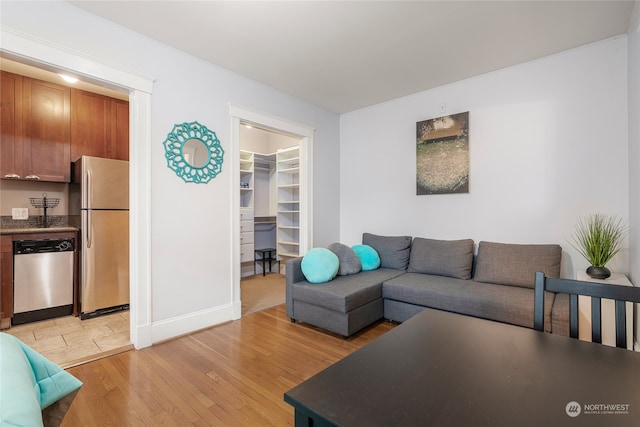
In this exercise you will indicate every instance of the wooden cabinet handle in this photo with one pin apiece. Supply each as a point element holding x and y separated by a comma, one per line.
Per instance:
<point>12,175</point>
<point>34,177</point>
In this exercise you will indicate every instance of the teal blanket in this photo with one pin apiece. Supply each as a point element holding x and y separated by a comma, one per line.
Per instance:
<point>29,383</point>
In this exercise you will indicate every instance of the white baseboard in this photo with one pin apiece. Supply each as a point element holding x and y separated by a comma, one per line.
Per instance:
<point>237,310</point>
<point>181,325</point>
<point>143,336</point>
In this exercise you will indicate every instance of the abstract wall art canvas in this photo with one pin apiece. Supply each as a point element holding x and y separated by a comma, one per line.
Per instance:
<point>442,155</point>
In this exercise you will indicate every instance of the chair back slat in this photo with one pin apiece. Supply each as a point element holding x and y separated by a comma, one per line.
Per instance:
<point>596,319</point>
<point>597,291</point>
<point>573,316</point>
<point>621,324</point>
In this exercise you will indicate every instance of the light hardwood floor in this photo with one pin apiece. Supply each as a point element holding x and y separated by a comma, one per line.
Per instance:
<point>233,374</point>
<point>259,292</point>
<point>69,341</point>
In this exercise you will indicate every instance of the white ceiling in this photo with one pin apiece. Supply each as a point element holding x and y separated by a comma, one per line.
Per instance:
<point>345,55</point>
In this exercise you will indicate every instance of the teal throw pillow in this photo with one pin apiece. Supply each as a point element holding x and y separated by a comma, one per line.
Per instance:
<point>320,265</point>
<point>369,258</point>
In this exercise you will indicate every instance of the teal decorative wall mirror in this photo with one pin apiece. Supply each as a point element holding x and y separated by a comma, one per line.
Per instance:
<point>193,152</point>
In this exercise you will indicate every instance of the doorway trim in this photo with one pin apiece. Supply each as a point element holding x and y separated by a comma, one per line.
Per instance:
<point>47,55</point>
<point>238,115</point>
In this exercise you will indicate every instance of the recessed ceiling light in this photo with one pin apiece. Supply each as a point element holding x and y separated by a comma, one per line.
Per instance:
<point>248,126</point>
<point>68,79</point>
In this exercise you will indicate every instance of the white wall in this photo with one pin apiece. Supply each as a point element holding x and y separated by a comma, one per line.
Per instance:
<point>633,58</point>
<point>190,224</point>
<point>548,143</point>
<point>634,142</point>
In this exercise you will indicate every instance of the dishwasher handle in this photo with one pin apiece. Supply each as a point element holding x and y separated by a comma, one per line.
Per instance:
<point>28,247</point>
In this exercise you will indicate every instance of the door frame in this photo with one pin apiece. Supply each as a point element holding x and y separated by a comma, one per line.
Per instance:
<point>46,55</point>
<point>305,133</point>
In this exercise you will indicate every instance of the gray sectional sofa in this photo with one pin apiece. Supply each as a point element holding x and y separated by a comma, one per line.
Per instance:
<point>496,283</point>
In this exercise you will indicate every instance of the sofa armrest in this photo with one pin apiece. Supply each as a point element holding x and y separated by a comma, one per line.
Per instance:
<point>293,271</point>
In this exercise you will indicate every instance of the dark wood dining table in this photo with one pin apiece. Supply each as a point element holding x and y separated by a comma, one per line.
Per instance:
<point>447,369</point>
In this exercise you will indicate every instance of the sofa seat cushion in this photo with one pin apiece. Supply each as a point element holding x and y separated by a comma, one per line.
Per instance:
<point>345,293</point>
<point>509,304</point>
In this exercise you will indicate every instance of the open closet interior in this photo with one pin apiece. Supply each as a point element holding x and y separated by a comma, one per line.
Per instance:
<point>269,199</point>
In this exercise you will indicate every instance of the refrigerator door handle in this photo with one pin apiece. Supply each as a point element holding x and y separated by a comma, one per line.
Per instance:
<point>88,229</point>
<point>88,200</point>
<point>88,190</point>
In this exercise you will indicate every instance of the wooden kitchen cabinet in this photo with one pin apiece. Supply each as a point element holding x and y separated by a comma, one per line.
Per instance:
<point>10,125</point>
<point>99,126</point>
<point>35,141</point>
<point>90,124</point>
<point>6,281</point>
<point>120,129</point>
<point>45,147</point>
<point>45,126</point>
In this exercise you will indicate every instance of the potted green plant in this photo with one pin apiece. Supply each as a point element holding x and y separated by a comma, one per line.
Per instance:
<point>598,238</point>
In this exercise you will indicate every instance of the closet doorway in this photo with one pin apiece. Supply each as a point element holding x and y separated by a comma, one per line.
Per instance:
<point>269,213</point>
<point>273,208</point>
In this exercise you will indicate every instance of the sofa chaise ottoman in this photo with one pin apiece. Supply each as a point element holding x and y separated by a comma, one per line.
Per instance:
<point>343,306</point>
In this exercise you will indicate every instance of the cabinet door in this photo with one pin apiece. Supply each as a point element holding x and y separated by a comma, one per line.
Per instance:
<point>90,124</point>
<point>119,129</point>
<point>6,280</point>
<point>45,148</point>
<point>11,125</point>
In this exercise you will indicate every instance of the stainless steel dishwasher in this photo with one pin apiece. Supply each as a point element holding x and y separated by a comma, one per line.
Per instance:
<point>42,279</point>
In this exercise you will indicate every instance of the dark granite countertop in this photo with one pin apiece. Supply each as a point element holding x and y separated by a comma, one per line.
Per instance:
<point>34,225</point>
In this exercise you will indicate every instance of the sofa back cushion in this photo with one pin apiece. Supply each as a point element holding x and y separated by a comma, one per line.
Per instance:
<point>516,265</point>
<point>451,258</point>
<point>393,250</point>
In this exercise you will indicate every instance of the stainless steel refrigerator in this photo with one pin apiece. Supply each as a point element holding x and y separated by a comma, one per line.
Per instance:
<point>99,203</point>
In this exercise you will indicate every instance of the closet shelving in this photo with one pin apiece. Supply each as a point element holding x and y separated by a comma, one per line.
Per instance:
<point>246,179</point>
<point>246,206</point>
<point>288,201</point>
<point>273,218</point>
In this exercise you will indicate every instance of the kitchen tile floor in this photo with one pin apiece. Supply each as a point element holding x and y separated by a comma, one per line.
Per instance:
<point>69,341</point>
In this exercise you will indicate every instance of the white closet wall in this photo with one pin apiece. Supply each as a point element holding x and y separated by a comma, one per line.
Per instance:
<point>264,175</point>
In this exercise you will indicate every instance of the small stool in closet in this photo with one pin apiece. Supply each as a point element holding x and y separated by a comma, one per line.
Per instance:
<point>263,256</point>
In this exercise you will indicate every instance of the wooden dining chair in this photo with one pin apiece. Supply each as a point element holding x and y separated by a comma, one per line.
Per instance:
<point>597,291</point>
